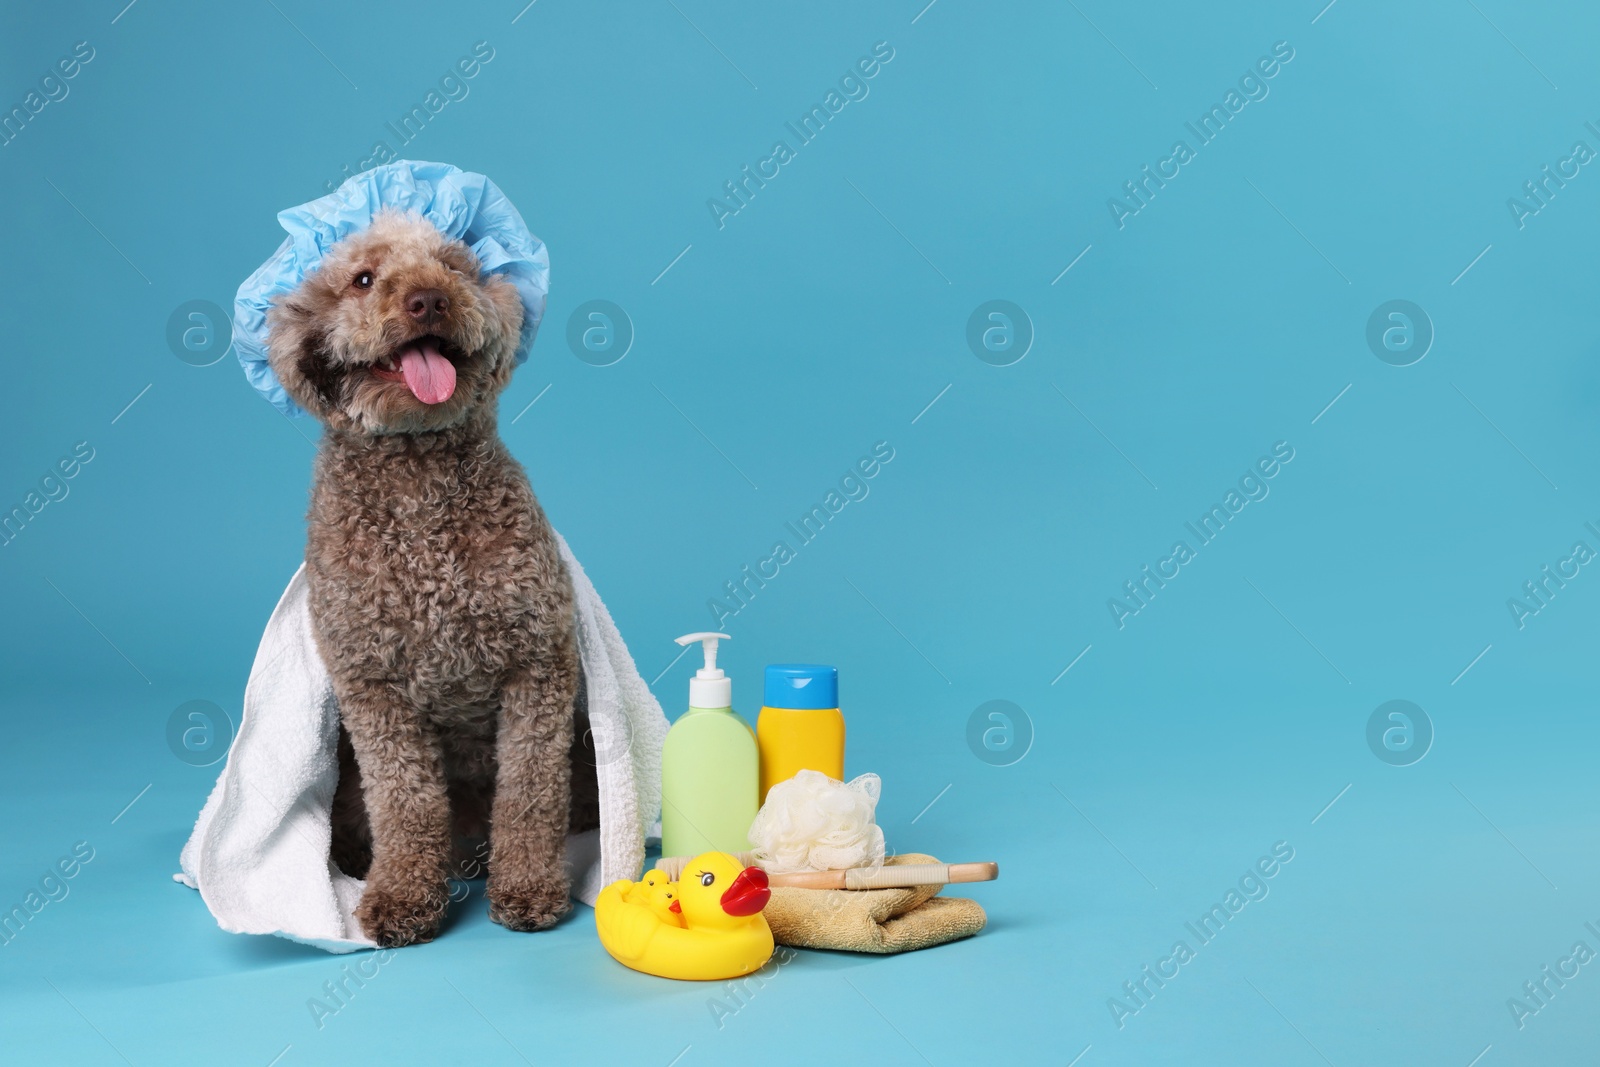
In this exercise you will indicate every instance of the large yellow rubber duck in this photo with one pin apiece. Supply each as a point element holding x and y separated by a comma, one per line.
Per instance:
<point>724,934</point>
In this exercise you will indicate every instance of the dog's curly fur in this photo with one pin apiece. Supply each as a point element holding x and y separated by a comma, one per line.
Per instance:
<point>438,597</point>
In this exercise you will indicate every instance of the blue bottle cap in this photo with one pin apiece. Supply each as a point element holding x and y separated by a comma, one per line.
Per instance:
<point>801,685</point>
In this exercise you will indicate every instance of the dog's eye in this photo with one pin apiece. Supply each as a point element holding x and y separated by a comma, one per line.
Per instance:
<point>363,280</point>
<point>706,878</point>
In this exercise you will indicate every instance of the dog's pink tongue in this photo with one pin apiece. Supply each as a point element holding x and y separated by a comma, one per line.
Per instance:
<point>430,377</point>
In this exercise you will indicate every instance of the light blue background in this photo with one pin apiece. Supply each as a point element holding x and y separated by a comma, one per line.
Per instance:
<point>823,318</point>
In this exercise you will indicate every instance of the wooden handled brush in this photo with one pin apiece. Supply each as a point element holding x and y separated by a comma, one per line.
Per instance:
<point>910,874</point>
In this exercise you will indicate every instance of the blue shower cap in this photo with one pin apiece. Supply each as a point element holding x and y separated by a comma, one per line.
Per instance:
<point>461,204</point>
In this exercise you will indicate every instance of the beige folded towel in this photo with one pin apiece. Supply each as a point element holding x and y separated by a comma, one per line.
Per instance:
<point>872,920</point>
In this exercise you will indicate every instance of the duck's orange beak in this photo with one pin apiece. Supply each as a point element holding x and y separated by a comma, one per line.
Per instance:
<point>676,907</point>
<point>748,894</point>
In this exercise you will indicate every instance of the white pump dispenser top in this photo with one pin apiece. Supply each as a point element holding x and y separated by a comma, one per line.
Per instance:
<point>710,687</point>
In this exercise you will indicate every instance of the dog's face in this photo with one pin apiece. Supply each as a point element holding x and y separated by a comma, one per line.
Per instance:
<point>396,331</point>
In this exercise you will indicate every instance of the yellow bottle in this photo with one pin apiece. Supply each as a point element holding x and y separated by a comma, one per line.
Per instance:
<point>800,727</point>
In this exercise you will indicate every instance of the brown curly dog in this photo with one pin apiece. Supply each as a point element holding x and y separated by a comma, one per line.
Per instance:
<point>438,597</point>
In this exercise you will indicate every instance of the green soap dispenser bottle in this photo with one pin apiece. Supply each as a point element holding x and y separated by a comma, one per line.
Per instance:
<point>710,770</point>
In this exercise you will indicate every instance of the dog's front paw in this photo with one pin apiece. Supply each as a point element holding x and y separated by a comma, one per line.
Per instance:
<point>394,920</point>
<point>528,905</point>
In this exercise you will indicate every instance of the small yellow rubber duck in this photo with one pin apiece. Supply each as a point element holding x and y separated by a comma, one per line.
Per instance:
<point>659,894</point>
<point>722,933</point>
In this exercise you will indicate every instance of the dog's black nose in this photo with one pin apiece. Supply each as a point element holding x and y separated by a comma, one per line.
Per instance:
<point>427,305</point>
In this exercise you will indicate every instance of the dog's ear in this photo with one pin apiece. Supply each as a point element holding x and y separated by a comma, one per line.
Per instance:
<point>297,349</point>
<point>318,370</point>
<point>505,306</point>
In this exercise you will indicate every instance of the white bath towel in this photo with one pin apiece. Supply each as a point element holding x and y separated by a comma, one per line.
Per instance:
<point>259,852</point>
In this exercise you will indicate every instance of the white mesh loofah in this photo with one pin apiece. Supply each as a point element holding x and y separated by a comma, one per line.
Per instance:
<point>814,823</point>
